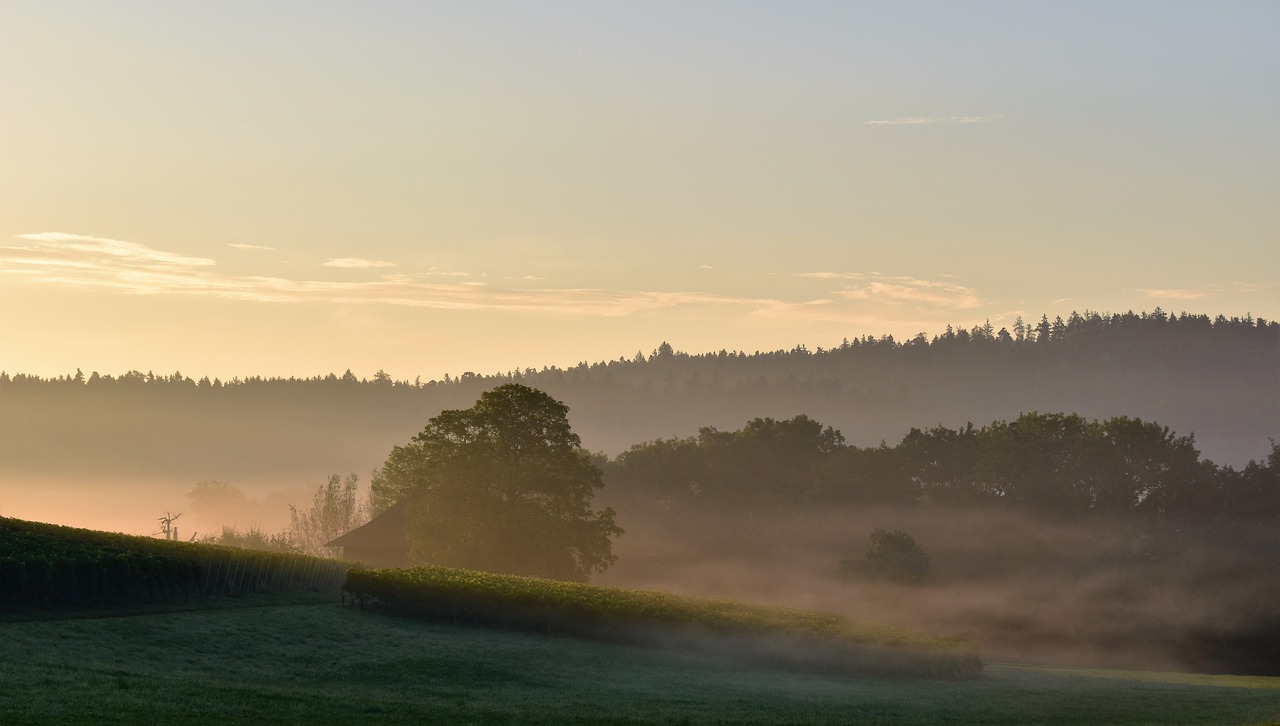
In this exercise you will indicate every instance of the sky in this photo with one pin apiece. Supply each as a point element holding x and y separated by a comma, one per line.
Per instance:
<point>297,188</point>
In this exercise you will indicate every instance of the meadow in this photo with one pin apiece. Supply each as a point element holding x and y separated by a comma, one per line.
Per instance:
<point>799,638</point>
<point>302,657</point>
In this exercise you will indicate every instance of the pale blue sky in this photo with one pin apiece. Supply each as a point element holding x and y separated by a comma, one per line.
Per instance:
<point>296,187</point>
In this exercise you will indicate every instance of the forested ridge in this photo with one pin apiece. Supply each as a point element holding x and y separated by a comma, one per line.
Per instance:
<point>1215,378</point>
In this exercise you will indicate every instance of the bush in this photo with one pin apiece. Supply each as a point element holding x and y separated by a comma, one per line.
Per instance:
<point>893,556</point>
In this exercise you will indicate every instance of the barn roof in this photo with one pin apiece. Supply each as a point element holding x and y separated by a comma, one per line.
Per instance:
<point>385,530</point>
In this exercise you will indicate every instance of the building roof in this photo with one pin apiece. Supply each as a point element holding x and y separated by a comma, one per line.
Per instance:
<point>385,530</point>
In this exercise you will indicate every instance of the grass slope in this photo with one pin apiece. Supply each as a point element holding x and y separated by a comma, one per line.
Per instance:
<point>642,617</point>
<point>52,566</point>
<point>289,662</point>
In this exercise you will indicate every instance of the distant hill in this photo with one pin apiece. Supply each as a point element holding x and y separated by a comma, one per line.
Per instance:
<point>1216,378</point>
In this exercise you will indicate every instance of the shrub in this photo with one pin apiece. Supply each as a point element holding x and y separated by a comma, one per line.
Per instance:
<point>893,556</point>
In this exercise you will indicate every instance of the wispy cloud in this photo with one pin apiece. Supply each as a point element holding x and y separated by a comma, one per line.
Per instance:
<point>108,252</point>
<point>900,290</point>
<point>1175,294</point>
<point>91,263</point>
<point>932,120</point>
<point>357,263</point>
<point>1237,286</point>
<point>243,246</point>
<point>1205,291</point>
<point>833,275</point>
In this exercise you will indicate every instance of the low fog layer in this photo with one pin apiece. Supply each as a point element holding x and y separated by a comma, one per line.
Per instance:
<point>1027,589</point>
<point>1049,537</point>
<point>1169,563</point>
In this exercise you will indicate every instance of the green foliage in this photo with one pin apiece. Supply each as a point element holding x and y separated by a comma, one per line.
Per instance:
<point>1252,493</point>
<point>1052,464</point>
<point>894,556</point>
<point>502,486</point>
<point>698,484</point>
<point>43,565</point>
<point>1064,465</point>
<point>640,616</point>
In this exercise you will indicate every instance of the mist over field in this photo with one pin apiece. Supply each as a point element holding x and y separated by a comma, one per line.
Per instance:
<point>756,477</point>
<point>1026,588</point>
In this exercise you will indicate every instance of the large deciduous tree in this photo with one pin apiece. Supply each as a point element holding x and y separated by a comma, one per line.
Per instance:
<point>503,486</point>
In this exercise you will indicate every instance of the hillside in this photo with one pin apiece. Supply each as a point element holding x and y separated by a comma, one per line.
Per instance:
<point>53,571</point>
<point>300,657</point>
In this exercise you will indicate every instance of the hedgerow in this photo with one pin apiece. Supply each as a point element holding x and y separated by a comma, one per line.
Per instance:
<point>654,618</point>
<point>45,565</point>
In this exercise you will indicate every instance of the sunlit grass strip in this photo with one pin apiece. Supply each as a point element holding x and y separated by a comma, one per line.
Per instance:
<point>657,618</point>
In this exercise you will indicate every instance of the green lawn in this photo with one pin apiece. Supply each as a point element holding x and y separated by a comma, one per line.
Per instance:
<point>296,661</point>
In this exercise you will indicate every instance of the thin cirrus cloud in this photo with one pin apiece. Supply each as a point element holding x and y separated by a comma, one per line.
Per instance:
<point>72,249</point>
<point>357,263</point>
<point>1200,293</point>
<point>902,290</point>
<point>96,263</point>
<point>932,120</point>
<point>1175,294</point>
<point>243,246</point>
<point>833,275</point>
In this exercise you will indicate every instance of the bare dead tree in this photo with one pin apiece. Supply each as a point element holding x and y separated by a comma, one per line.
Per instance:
<point>166,525</point>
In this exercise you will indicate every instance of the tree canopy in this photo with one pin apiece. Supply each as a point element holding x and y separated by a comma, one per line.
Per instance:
<point>1059,465</point>
<point>503,486</point>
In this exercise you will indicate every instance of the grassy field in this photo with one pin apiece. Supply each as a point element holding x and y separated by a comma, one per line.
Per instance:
<point>658,619</point>
<point>305,659</point>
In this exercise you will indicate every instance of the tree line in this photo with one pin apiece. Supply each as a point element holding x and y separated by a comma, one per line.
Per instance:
<point>1054,465</point>
<point>1218,378</point>
<point>1077,333</point>
<point>505,486</point>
